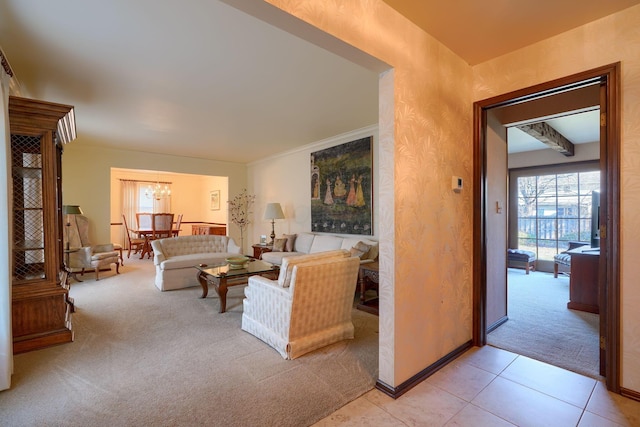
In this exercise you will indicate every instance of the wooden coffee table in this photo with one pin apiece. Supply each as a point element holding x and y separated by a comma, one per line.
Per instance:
<point>222,276</point>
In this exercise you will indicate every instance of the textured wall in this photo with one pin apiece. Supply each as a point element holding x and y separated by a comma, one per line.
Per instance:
<point>609,40</point>
<point>426,249</point>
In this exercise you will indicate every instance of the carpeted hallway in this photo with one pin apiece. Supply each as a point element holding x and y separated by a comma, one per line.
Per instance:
<point>541,326</point>
<point>145,357</point>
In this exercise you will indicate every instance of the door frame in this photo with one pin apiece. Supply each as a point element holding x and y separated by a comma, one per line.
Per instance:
<point>609,78</point>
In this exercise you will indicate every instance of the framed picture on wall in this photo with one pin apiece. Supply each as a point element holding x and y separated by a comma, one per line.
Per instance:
<point>215,200</point>
<point>342,188</point>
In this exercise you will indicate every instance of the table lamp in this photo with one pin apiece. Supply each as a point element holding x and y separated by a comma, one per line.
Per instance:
<point>273,212</point>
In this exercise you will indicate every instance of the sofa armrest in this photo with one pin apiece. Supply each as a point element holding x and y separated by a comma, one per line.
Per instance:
<point>158,255</point>
<point>232,247</point>
<point>262,284</point>
<point>267,303</point>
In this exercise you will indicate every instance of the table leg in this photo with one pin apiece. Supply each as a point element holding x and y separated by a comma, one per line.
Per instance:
<point>202,278</point>
<point>222,293</point>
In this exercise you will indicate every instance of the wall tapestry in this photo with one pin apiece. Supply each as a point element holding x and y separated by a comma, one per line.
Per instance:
<point>341,188</point>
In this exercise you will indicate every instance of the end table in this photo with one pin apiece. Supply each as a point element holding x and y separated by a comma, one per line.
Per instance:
<point>368,279</point>
<point>259,249</point>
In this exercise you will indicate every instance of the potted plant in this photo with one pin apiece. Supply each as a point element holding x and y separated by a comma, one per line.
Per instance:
<point>240,211</point>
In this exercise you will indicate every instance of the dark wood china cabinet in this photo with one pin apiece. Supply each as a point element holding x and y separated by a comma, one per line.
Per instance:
<point>41,309</point>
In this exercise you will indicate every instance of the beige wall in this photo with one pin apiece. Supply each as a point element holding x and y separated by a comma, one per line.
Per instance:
<point>190,196</point>
<point>427,267</point>
<point>284,178</point>
<point>86,172</point>
<point>609,40</point>
<point>432,96</point>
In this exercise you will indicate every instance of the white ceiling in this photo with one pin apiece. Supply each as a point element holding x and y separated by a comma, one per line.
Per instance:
<point>203,79</point>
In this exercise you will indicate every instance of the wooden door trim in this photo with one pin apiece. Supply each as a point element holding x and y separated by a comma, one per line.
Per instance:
<point>610,76</point>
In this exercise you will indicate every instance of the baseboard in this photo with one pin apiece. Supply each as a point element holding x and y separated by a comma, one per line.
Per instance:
<point>631,394</point>
<point>497,323</point>
<point>396,392</point>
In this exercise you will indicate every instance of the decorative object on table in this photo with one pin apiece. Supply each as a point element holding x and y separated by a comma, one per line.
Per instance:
<point>341,188</point>
<point>237,262</point>
<point>69,210</point>
<point>240,212</point>
<point>263,239</point>
<point>273,212</point>
<point>215,200</point>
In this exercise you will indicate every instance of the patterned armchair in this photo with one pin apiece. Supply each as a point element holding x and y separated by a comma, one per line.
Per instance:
<point>308,307</point>
<point>88,256</point>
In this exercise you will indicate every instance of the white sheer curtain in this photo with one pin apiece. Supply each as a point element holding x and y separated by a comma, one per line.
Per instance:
<point>6,346</point>
<point>163,205</point>
<point>129,206</point>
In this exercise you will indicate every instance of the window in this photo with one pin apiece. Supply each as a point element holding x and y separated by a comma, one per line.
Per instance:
<point>145,204</point>
<point>553,209</point>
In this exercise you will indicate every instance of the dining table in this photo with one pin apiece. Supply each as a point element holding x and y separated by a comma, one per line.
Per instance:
<point>146,234</point>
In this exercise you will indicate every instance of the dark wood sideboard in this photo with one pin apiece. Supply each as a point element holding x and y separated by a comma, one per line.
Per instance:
<point>583,284</point>
<point>219,230</point>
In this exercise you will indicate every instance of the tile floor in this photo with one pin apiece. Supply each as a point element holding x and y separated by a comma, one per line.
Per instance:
<point>492,387</point>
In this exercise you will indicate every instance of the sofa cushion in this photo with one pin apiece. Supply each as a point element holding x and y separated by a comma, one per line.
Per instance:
<point>184,245</point>
<point>360,250</point>
<point>291,239</point>
<point>278,245</point>
<point>303,242</point>
<point>350,242</point>
<point>322,243</point>
<point>288,262</point>
<point>277,257</point>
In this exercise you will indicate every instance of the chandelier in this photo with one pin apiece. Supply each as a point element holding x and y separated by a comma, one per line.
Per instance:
<point>158,191</point>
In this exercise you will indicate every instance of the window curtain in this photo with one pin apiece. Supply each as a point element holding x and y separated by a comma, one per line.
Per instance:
<point>6,345</point>
<point>129,207</point>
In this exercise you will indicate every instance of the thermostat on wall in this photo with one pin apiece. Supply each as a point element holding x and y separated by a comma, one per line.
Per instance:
<point>456,183</point>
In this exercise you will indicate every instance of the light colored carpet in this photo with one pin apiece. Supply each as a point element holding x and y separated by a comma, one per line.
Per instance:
<point>145,357</point>
<point>541,326</point>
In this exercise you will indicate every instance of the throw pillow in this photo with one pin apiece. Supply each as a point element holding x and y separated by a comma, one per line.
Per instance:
<point>291,238</point>
<point>278,245</point>
<point>360,249</point>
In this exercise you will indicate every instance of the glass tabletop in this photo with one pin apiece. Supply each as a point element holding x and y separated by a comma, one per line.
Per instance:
<point>253,266</point>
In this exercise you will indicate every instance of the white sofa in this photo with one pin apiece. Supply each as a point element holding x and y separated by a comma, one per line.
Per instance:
<point>175,258</point>
<point>311,243</point>
<point>308,307</point>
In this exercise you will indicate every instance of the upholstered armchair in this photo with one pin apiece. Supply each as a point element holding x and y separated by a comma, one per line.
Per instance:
<point>82,254</point>
<point>308,307</point>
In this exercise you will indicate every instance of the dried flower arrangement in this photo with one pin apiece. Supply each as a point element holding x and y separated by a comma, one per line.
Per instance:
<point>240,211</point>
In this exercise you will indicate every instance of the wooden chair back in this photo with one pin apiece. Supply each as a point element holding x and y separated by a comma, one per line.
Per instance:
<point>176,231</point>
<point>162,225</point>
<point>144,220</point>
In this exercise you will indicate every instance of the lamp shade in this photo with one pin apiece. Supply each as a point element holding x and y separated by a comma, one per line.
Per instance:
<point>71,210</point>
<point>273,211</point>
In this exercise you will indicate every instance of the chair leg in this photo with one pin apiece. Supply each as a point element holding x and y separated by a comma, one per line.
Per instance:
<point>527,267</point>
<point>97,273</point>
<point>118,268</point>
<point>555,270</point>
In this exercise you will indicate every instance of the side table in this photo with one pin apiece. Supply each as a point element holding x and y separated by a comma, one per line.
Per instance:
<point>368,279</point>
<point>259,249</point>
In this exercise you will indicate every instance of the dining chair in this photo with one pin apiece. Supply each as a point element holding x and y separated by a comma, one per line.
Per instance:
<point>144,220</point>
<point>176,231</point>
<point>162,225</point>
<point>133,242</point>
